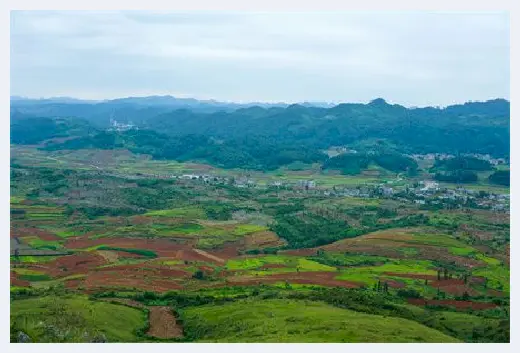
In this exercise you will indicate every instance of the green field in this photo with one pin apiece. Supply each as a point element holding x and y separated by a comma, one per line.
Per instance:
<point>370,275</point>
<point>197,240</point>
<point>292,263</point>
<point>75,319</point>
<point>287,321</point>
<point>498,277</point>
<point>188,212</point>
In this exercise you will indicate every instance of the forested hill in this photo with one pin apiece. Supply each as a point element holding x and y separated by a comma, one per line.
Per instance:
<point>266,137</point>
<point>471,127</point>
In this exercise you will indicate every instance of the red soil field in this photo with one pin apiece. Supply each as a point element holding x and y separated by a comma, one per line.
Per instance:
<point>79,263</point>
<point>459,304</point>
<point>145,269</point>
<point>163,324</point>
<point>228,251</point>
<point>453,286</point>
<point>162,247</point>
<point>40,233</point>
<point>261,240</point>
<point>393,283</point>
<point>73,283</point>
<point>141,281</point>
<point>15,281</point>
<point>317,278</point>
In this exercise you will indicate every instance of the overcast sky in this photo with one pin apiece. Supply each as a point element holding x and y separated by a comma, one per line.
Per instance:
<point>414,59</point>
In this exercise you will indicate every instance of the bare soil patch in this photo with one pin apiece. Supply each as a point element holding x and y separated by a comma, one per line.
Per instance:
<point>162,247</point>
<point>262,240</point>
<point>15,281</point>
<point>79,263</point>
<point>139,281</point>
<point>163,324</point>
<point>31,231</point>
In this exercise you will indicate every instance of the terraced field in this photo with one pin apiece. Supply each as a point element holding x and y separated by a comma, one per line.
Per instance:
<point>179,266</point>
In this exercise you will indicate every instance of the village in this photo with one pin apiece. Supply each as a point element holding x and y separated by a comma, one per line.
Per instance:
<point>427,194</point>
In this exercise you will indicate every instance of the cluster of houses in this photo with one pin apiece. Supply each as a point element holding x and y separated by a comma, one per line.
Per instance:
<point>432,156</point>
<point>442,156</point>
<point>426,192</point>
<point>490,159</point>
<point>431,193</point>
<point>115,126</point>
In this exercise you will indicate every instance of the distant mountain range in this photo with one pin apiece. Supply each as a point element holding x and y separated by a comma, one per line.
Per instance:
<point>164,101</point>
<point>473,127</point>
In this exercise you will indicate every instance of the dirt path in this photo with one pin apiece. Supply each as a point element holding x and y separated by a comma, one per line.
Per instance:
<point>163,323</point>
<point>209,256</point>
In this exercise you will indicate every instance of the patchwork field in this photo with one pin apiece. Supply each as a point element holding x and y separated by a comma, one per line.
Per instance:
<point>189,261</point>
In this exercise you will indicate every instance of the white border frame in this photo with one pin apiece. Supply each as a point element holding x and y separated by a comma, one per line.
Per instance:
<point>267,6</point>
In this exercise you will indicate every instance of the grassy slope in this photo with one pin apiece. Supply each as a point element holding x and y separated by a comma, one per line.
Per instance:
<point>118,323</point>
<point>299,321</point>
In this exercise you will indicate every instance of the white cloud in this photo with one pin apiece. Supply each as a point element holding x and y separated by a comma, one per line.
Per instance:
<point>409,58</point>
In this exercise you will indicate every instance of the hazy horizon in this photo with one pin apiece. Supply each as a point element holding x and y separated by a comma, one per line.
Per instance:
<point>408,58</point>
<point>246,102</point>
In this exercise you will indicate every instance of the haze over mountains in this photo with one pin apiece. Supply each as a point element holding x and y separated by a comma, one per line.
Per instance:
<point>262,137</point>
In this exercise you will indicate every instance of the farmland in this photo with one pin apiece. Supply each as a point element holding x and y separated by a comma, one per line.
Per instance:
<point>193,260</point>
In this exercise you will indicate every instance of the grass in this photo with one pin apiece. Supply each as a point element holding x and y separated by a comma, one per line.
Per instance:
<point>498,277</point>
<point>462,251</point>
<point>356,201</point>
<point>321,179</point>
<point>294,321</point>
<point>171,262</point>
<point>35,278</point>
<point>33,259</point>
<point>243,229</point>
<point>498,189</point>
<point>38,243</point>
<point>489,260</point>
<point>26,271</point>
<point>347,259</point>
<point>66,233</point>
<point>185,212</point>
<point>143,252</point>
<point>45,319</point>
<point>461,325</point>
<point>16,200</point>
<point>370,275</point>
<point>292,263</point>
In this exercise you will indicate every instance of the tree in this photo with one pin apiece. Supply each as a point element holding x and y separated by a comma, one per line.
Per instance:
<point>198,274</point>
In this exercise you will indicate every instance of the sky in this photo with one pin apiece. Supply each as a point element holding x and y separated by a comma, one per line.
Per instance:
<point>409,58</point>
